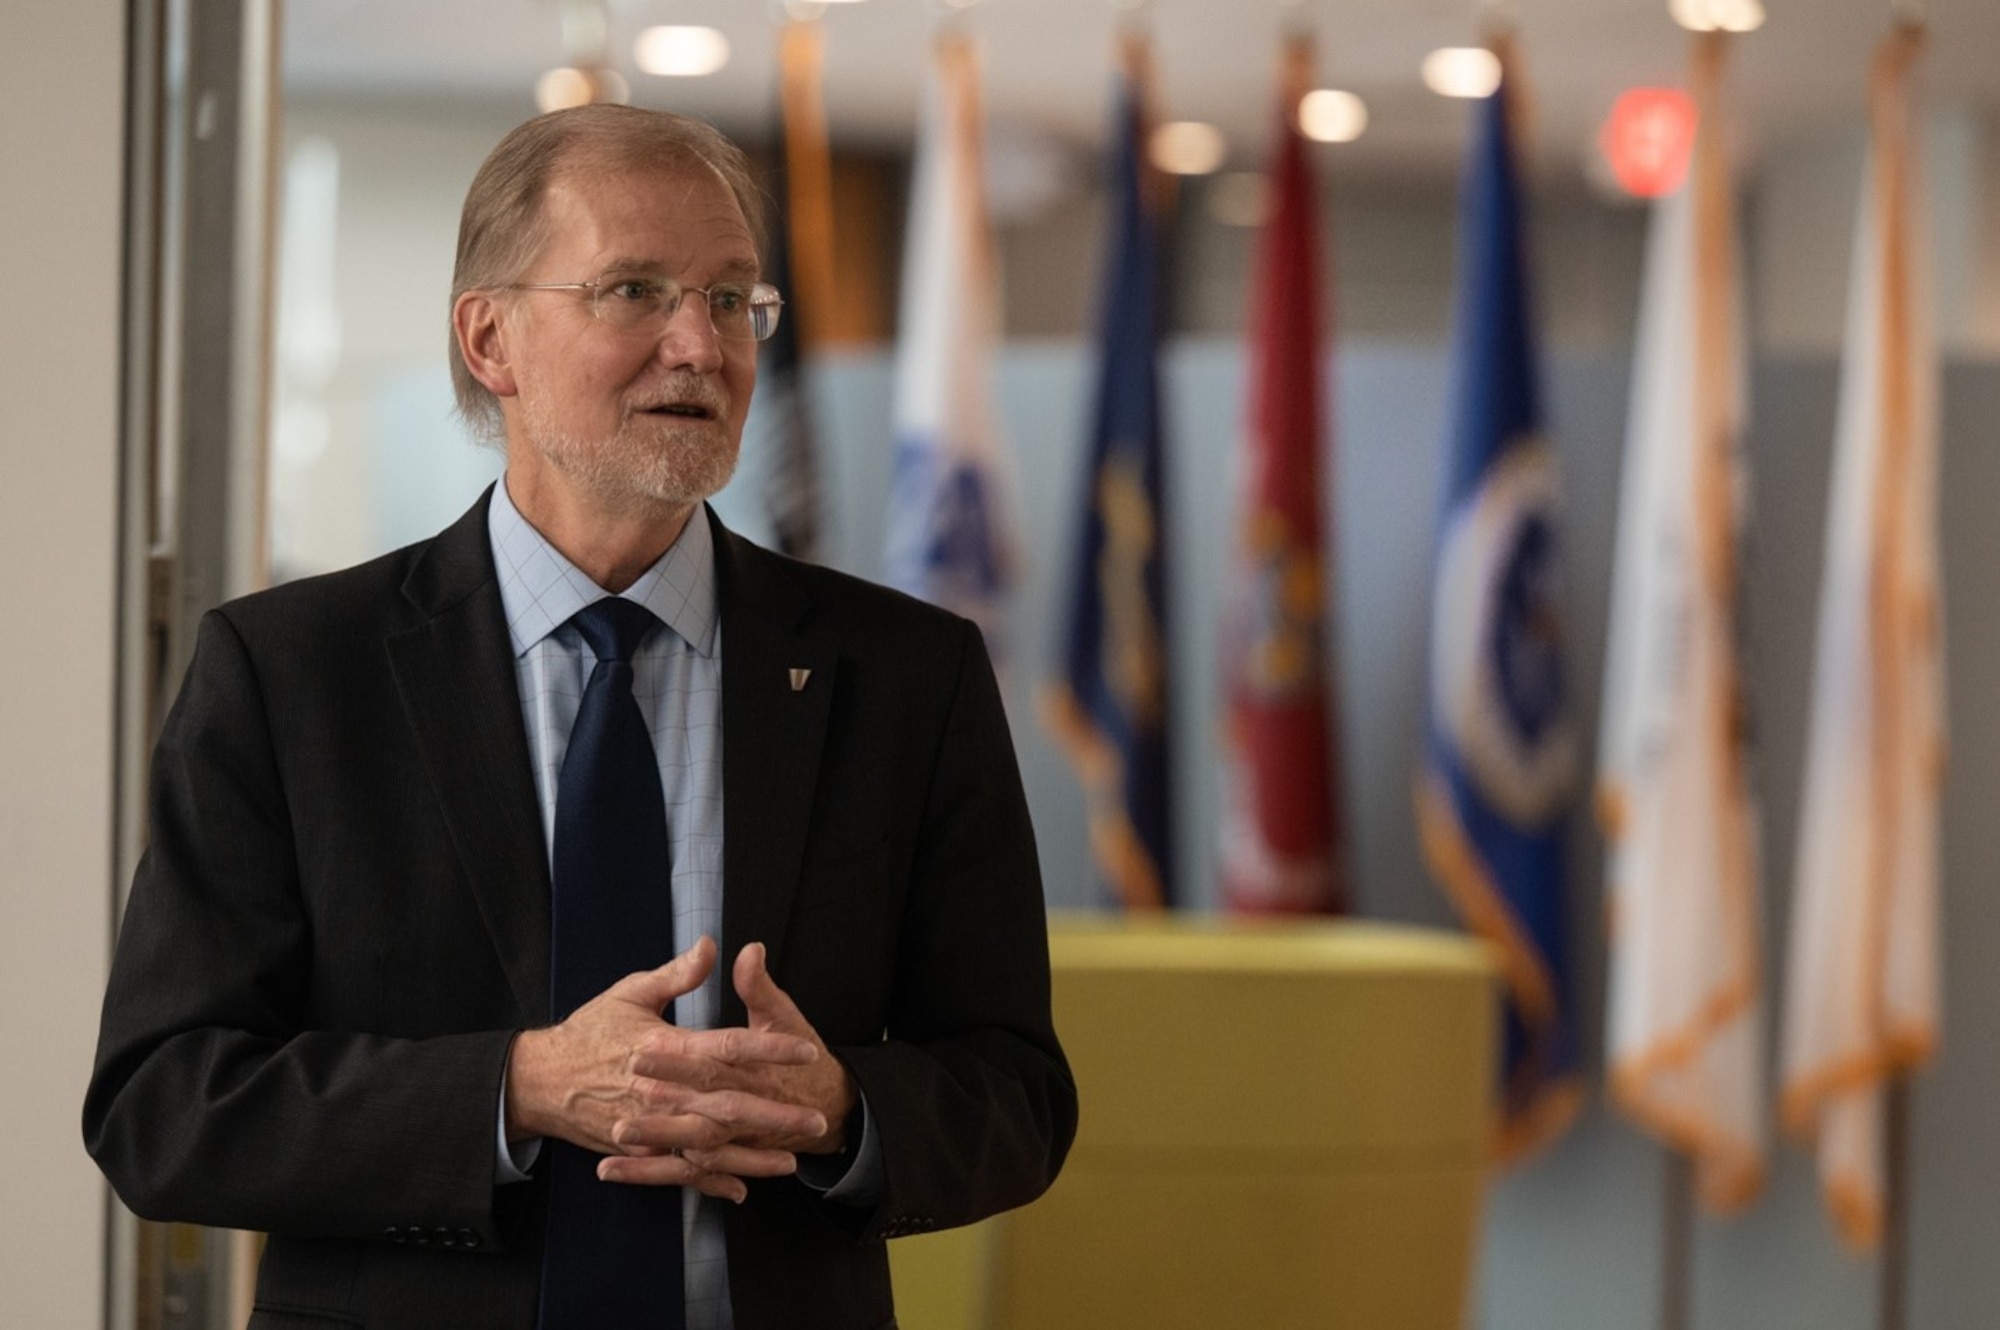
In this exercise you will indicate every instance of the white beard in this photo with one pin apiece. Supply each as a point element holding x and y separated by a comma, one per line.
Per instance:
<point>648,460</point>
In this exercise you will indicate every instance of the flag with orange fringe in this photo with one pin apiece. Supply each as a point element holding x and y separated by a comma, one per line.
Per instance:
<point>1109,708</point>
<point>1499,774</point>
<point>1685,1001</point>
<point>1861,998</point>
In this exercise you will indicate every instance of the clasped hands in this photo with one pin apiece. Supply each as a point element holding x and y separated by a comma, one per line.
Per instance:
<point>674,1107</point>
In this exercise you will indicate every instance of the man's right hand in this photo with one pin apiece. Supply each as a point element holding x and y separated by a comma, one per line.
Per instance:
<point>575,1081</point>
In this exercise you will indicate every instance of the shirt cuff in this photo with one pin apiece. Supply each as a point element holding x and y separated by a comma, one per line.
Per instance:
<point>853,1181</point>
<point>511,1159</point>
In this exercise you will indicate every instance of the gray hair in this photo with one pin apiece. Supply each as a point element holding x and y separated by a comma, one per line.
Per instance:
<point>504,225</point>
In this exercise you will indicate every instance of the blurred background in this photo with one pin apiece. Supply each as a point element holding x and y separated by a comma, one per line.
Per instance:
<point>359,124</point>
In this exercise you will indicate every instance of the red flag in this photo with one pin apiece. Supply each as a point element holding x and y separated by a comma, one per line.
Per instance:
<point>1282,843</point>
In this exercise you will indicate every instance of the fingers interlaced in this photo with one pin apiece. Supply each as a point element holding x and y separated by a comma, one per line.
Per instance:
<point>688,1119</point>
<point>738,1045</point>
<point>673,1171</point>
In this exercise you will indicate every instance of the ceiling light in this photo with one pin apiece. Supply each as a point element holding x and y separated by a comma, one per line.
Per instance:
<point>1187,147</point>
<point>678,52</point>
<point>1714,15</point>
<point>1462,71</point>
<point>560,89</point>
<point>1328,115</point>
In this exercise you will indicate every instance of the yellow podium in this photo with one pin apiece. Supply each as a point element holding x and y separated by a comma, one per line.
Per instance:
<point>1284,1124</point>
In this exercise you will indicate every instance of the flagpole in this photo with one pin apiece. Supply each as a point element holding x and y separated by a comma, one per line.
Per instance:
<point>1893,1269</point>
<point>808,159</point>
<point>1893,1289</point>
<point>1676,1240</point>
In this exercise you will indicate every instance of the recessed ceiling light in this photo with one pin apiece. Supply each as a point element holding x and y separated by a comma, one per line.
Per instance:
<point>562,88</point>
<point>1462,71</point>
<point>1718,15</point>
<point>1187,147</point>
<point>1329,115</point>
<point>681,52</point>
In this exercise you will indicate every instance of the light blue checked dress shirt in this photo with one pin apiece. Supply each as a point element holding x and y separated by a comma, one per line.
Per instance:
<point>677,680</point>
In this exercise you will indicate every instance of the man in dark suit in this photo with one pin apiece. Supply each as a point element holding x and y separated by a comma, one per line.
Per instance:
<point>330,1016</point>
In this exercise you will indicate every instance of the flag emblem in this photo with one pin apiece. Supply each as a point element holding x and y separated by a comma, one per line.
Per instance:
<point>1497,680</point>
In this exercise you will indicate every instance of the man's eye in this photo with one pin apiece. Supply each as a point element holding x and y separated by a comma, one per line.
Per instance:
<point>636,289</point>
<point>729,299</point>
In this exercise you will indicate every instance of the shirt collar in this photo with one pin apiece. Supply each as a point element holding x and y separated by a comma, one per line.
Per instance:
<point>540,589</point>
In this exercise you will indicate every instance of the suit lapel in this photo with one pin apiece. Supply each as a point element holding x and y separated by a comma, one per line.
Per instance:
<point>772,735</point>
<point>456,677</point>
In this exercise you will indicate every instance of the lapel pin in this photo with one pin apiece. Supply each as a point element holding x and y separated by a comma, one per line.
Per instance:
<point>799,678</point>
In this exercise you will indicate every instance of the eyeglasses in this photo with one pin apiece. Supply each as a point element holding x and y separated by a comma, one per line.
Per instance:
<point>635,301</point>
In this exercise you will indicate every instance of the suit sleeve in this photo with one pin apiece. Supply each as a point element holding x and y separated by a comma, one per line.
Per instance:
<point>973,1098</point>
<point>218,1097</point>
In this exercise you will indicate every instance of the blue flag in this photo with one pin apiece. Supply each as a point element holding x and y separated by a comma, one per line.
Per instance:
<point>1110,706</point>
<point>1499,773</point>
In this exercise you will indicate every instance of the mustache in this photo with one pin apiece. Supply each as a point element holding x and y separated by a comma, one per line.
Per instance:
<point>681,389</point>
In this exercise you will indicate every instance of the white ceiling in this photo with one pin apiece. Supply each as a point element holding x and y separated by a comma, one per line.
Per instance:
<point>1047,63</point>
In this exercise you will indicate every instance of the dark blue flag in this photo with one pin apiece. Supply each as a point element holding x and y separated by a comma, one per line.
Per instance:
<point>1110,706</point>
<point>1499,774</point>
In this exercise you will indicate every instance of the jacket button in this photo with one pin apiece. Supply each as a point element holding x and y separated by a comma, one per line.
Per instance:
<point>467,1239</point>
<point>392,1233</point>
<point>447,1238</point>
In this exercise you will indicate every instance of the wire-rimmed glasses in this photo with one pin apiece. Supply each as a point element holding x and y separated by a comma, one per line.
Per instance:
<point>632,301</point>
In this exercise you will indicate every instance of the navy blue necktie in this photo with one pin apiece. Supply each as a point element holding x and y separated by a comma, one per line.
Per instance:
<point>613,1257</point>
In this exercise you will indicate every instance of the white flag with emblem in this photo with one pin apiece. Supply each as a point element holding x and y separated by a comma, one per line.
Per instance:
<point>1685,1002</point>
<point>949,539</point>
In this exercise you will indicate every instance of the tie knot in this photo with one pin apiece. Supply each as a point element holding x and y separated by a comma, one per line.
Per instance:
<point>614,626</point>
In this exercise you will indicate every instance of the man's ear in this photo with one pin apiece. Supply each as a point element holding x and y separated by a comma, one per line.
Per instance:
<point>482,341</point>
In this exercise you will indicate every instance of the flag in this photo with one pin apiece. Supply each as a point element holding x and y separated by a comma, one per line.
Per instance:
<point>1685,998</point>
<point>1861,1000</point>
<point>1500,743</point>
<point>948,537</point>
<point>786,445</point>
<point>1282,843</point>
<point>1109,708</point>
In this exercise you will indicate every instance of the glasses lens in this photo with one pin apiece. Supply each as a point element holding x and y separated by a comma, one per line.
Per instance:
<point>629,300</point>
<point>765,306</point>
<point>739,310</point>
<point>743,310</point>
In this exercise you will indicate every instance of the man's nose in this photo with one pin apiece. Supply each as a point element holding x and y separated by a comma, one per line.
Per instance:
<point>688,339</point>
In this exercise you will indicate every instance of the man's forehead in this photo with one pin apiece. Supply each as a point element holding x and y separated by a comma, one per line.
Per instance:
<point>649,215</point>
<point>694,182</point>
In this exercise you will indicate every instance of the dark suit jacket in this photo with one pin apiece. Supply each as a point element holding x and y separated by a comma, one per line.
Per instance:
<point>344,912</point>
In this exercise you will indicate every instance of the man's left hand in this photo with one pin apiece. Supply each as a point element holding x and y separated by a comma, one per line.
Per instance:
<point>822,1084</point>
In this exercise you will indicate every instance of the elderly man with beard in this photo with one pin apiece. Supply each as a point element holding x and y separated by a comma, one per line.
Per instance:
<point>586,918</point>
